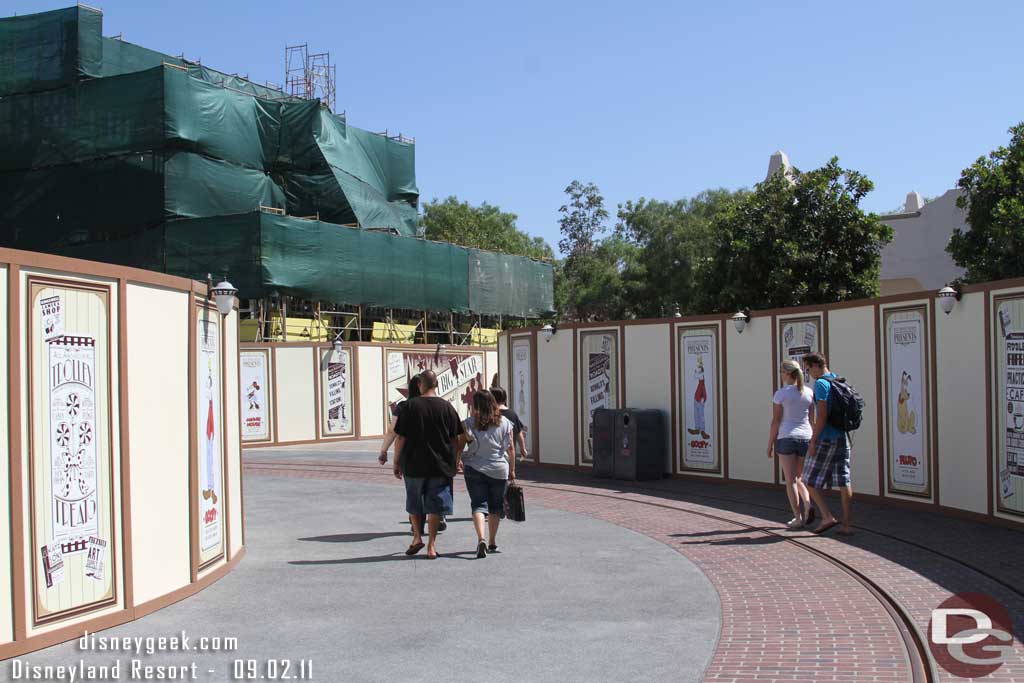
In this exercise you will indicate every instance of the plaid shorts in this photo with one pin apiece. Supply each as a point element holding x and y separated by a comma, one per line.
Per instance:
<point>829,465</point>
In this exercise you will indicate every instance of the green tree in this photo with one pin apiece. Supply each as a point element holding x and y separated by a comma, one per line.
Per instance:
<point>673,241</point>
<point>993,195</point>
<point>797,239</point>
<point>481,227</point>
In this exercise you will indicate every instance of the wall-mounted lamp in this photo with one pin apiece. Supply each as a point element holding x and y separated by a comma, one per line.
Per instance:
<point>548,331</point>
<point>740,320</point>
<point>437,353</point>
<point>223,293</point>
<point>948,296</point>
<point>676,313</point>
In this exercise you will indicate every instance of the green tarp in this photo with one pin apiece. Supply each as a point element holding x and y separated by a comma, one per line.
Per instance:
<point>49,49</point>
<point>508,285</point>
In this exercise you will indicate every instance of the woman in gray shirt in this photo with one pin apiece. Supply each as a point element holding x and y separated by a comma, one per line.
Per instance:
<point>489,463</point>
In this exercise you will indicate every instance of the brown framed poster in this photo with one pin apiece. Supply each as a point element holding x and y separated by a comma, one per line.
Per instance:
<point>521,384</point>
<point>1008,402</point>
<point>335,386</point>
<point>256,395</point>
<point>600,379</point>
<point>71,453</point>
<point>798,337</point>
<point>459,375</point>
<point>907,405</point>
<point>209,465</point>
<point>698,382</point>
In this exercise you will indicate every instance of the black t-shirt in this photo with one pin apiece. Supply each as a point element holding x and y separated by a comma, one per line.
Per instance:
<point>517,424</point>
<point>428,424</point>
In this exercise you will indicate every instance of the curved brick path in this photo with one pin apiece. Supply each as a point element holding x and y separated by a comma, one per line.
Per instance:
<point>787,615</point>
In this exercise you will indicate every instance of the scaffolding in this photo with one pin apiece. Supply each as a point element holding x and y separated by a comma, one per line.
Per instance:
<point>310,76</point>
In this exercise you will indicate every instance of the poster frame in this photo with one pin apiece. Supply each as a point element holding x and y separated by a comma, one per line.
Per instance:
<point>269,393</point>
<point>680,412</point>
<point>113,332</point>
<point>197,304</point>
<point>996,401</point>
<point>581,376</point>
<point>423,349</point>
<point>892,488</point>
<point>534,411</point>
<point>780,321</point>
<point>321,353</point>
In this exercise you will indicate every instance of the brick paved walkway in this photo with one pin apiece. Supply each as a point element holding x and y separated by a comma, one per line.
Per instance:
<point>787,614</point>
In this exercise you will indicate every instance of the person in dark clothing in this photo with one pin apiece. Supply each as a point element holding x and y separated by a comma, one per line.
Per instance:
<point>428,430</point>
<point>518,428</point>
<point>389,438</point>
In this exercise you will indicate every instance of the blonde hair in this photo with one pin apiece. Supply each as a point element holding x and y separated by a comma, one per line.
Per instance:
<point>792,369</point>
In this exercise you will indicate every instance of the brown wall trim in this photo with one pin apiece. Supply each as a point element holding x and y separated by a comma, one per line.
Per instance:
<point>50,638</point>
<point>575,399</point>
<point>724,411</point>
<point>126,464</point>
<point>16,460</point>
<point>238,382</point>
<point>193,449</point>
<point>989,398</point>
<point>34,260</point>
<point>879,393</point>
<point>676,465</point>
<point>934,408</point>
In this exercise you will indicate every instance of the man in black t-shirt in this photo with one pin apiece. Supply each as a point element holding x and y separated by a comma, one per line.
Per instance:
<point>428,431</point>
<point>518,428</point>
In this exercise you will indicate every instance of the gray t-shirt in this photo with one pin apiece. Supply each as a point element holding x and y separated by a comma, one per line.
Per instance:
<point>488,453</point>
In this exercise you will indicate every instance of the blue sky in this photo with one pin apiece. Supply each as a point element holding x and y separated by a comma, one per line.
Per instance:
<point>509,102</point>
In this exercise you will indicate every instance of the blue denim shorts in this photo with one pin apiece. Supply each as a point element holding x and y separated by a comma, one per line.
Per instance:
<point>431,496</point>
<point>486,494</point>
<point>797,447</point>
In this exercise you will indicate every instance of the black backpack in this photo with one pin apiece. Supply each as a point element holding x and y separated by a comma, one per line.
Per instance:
<point>845,405</point>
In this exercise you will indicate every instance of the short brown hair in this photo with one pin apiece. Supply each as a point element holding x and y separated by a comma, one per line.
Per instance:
<point>486,409</point>
<point>499,395</point>
<point>428,381</point>
<point>815,359</point>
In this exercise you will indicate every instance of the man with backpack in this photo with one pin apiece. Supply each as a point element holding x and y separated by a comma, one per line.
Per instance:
<point>838,410</point>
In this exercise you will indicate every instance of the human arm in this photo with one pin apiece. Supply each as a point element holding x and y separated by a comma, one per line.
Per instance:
<point>511,453</point>
<point>389,439</point>
<point>773,433</point>
<point>399,447</point>
<point>820,417</point>
<point>522,444</point>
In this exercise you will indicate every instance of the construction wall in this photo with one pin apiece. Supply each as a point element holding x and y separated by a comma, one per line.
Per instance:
<point>120,411</point>
<point>943,426</point>
<point>302,393</point>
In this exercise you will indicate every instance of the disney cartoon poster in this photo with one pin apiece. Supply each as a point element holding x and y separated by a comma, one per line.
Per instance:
<point>255,395</point>
<point>520,393</point>
<point>907,400</point>
<point>209,430</point>
<point>698,356</point>
<point>336,392</point>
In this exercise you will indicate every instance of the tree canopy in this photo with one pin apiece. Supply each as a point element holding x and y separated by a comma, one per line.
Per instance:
<point>993,195</point>
<point>481,227</point>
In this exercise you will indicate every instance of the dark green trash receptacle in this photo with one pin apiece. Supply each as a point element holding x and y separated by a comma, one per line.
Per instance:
<point>602,441</point>
<point>640,444</point>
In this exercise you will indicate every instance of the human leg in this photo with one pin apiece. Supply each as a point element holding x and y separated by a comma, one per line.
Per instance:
<point>841,475</point>
<point>789,473</point>
<point>435,497</point>
<point>817,476</point>
<point>414,506</point>
<point>495,501</point>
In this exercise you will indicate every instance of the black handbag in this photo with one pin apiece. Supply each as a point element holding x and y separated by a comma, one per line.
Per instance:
<point>515,506</point>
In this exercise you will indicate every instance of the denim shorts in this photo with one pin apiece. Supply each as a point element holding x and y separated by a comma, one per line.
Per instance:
<point>486,494</point>
<point>797,447</point>
<point>430,496</point>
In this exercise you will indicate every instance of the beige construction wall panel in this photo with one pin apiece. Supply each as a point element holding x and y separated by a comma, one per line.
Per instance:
<point>503,369</point>
<point>371,390</point>
<point>295,395</point>
<point>749,382</point>
<point>158,431</point>
<point>960,344</point>
<point>6,608</point>
<point>554,396</point>
<point>232,422</point>
<point>851,345</point>
<point>490,367</point>
<point>648,383</point>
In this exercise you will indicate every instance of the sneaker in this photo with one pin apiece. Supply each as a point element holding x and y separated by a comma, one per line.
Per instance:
<point>443,525</point>
<point>795,523</point>
<point>481,549</point>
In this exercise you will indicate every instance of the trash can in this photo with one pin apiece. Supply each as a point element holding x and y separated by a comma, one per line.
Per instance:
<point>602,441</point>
<point>640,444</point>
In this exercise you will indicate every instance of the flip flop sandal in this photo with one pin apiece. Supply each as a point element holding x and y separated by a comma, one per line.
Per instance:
<point>492,548</point>
<point>823,529</point>
<point>414,548</point>
<point>432,557</point>
<point>481,550</point>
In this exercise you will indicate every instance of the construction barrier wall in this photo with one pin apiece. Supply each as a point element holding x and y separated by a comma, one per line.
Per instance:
<point>303,393</point>
<point>122,493</point>
<point>943,427</point>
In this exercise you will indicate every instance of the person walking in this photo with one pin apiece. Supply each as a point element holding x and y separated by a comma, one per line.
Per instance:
<point>428,431</point>
<point>412,392</point>
<point>489,463</point>
<point>518,428</point>
<point>828,461</point>
<point>790,435</point>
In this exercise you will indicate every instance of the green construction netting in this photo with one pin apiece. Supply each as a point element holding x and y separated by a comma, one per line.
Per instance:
<point>499,283</point>
<point>49,49</point>
<point>121,57</point>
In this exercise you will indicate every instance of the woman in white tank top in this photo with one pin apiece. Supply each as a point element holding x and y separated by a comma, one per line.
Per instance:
<point>792,408</point>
